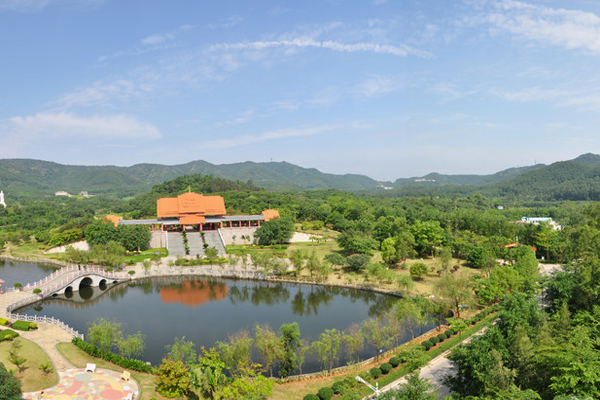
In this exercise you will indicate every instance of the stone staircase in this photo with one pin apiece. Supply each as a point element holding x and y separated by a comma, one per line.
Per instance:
<point>195,244</point>
<point>175,244</point>
<point>214,240</point>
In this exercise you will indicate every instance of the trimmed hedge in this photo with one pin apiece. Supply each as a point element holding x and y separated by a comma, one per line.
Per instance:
<point>385,368</point>
<point>22,325</point>
<point>339,387</point>
<point>449,332</point>
<point>8,334</point>
<point>127,363</point>
<point>325,393</point>
<point>3,321</point>
<point>442,337</point>
<point>427,345</point>
<point>395,361</point>
<point>375,372</point>
<point>310,396</point>
<point>37,291</point>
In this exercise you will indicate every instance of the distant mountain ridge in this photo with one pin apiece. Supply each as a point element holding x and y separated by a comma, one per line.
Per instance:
<point>28,177</point>
<point>35,177</point>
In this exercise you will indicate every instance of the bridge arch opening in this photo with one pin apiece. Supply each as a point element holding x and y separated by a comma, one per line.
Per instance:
<point>86,282</point>
<point>69,292</point>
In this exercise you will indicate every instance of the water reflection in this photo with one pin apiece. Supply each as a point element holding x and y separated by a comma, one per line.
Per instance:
<point>193,293</point>
<point>208,310</point>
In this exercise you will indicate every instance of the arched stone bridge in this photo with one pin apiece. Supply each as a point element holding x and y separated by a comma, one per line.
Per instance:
<point>72,278</point>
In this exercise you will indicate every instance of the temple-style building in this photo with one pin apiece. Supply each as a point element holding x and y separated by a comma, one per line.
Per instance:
<point>193,211</point>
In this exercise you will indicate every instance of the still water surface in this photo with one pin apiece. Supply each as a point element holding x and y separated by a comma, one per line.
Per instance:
<point>207,310</point>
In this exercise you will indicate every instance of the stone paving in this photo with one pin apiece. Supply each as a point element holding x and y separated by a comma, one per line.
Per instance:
<point>78,384</point>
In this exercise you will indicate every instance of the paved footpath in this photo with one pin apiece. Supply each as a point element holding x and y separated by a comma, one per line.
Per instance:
<point>435,371</point>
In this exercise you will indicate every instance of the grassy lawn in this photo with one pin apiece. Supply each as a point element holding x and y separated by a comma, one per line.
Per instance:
<point>146,254</point>
<point>31,378</point>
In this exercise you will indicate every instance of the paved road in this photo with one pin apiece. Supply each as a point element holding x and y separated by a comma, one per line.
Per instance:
<point>435,371</point>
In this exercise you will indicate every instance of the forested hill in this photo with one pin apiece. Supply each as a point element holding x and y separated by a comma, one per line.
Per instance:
<point>23,177</point>
<point>578,179</point>
<point>436,179</point>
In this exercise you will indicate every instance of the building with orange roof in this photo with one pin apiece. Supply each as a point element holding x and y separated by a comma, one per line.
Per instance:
<point>193,211</point>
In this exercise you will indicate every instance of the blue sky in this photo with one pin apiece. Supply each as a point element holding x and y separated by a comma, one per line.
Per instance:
<point>389,89</point>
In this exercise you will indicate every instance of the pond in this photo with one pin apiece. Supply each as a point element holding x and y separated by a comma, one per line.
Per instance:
<point>208,310</point>
<point>12,272</point>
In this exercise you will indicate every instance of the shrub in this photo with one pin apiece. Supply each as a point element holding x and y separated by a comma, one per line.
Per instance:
<point>404,356</point>
<point>8,334</point>
<point>395,361</point>
<point>325,393</point>
<point>385,368</point>
<point>339,387</point>
<point>17,285</point>
<point>37,291</point>
<point>21,325</point>
<point>375,372</point>
<point>427,345</point>
<point>351,382</point>
<point>3,321</point>
<point>32,326</point>
<point>310,396</point>
<point>449,332</point>
<point>434,340</point>
<point>131,272</point>
<point>127,363</point>
<point>442,337</point>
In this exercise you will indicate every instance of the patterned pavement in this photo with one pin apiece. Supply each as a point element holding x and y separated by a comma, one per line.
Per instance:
<point>77,384</point>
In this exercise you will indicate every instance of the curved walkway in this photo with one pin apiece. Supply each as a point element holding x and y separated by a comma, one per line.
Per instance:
<point>77,384</point>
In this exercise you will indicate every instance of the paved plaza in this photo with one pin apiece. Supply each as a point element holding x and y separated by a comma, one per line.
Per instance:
<point>77,384</point>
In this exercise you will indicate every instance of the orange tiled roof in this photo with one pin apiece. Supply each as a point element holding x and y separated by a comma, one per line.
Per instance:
<point>167,207</point>
<point>192,219</point>
<point>190,204</point>
<point>114,219</point>
<point>270,214</point>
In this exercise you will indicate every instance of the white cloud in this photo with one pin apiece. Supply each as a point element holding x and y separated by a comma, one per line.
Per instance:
<point>572,29</point>
<point>378,85</point>
<point>99,93</point>
<point>61,125</point>
<point>401,50</point>
<point>160,38</point>
<point>270,135</point>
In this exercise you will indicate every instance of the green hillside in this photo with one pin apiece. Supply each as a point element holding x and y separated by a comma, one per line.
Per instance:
<point>23,177</point>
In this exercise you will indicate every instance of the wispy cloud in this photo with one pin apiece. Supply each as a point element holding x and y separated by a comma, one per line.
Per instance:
<point>27,6</point>
<point>571,29</point>
<point>401,50</point>
<point>99,94</point>
<point>378,85</point>
<point>271,135</point>
<point>62,125</point>
<point>227,23</point>
<point>160,38</point>
<point>243,117</point>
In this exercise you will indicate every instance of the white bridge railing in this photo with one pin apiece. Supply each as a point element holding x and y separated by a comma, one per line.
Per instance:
<point>67,274</point>
<point>39,318</point>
